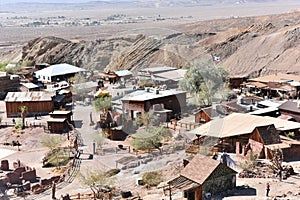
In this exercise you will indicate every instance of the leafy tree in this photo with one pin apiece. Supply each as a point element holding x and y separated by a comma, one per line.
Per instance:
<point>206,81</point>
<point>150,137</point>
<point>276,162</point>
<point>102,103</point>
<point>99,139</point>
<point>96,180</point>
<point>3,66</point>
<point>10,70</point>
<point>53,143</point>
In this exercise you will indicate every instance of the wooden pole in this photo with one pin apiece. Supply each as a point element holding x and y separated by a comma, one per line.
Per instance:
<point>170,192</point>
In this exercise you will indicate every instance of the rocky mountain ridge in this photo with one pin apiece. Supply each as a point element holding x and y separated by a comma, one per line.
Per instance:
<point>249,46</point>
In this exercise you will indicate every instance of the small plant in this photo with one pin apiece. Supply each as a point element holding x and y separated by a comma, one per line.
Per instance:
<point>27,63</point>
<point>112,172</point>
<point>152,178</point>
<point>290,134</point>
<point>18,125</point>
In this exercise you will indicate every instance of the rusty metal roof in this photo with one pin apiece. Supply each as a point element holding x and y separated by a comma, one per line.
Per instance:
<point>28,96</point>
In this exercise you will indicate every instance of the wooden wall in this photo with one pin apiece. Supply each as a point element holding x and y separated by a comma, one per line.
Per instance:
<point>175,103</point>
<point>202,115</point>
<point>8,85</point>
<point>57,127</point>
<point>295,115</point>
<point>33,107</point>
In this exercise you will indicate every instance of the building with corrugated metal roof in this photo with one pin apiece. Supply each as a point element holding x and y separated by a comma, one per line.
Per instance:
<point>36,103</point>
<point>56,73</point>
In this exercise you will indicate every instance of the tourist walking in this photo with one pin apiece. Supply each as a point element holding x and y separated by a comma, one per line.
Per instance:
<point>267,189</point>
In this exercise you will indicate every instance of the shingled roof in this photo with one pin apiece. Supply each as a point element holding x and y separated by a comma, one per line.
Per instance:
<point>239,124</point>
<point>198,170</point>
<point>290,106</point>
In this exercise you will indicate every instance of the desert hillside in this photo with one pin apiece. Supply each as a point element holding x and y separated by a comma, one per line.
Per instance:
<point>247,46</point>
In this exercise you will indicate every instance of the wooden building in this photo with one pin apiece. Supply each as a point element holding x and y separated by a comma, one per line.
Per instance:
<point>205,115</point>
<point>151,71</point>
<point>204,176</point>
<point>124,74</point>
<point>169,78</point>
<point>241,132</point>
<point>236,81</point>
<point>9,83</point>
<point>57,125</point>
<point>142,101</point>
<point>36,103</point>
<point>66,114</point>
<point>276,85</point>
<point>291,108</point>
<point>115,76</point>
<point>30,87</point>
<point>242,104</point>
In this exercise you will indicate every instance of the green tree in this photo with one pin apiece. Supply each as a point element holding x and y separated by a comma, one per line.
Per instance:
<point>99,139</point>
<point>96,180</point>
<point>206,81</point>
<point>102,103</point>
<point>150,137</point>
<point>51,142</point>
<point>54,154</point>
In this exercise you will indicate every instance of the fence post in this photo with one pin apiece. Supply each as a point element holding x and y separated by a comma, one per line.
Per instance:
<point>78,195</point>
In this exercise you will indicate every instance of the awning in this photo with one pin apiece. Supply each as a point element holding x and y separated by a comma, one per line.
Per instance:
<point>183,183</point>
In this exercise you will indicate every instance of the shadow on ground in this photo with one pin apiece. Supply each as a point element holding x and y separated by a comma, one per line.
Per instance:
<point>238,191</point>
<point>78,123</point>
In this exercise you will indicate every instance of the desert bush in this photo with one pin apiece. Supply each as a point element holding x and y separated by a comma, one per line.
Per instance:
<point>112,172</point>
<point>27,63</point>
<point>250,162</point>
<point>145,83</point>
<point>152,178</point>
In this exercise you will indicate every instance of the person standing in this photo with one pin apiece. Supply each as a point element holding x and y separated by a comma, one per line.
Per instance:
<point>53,190</point>
<point>267,189</point>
